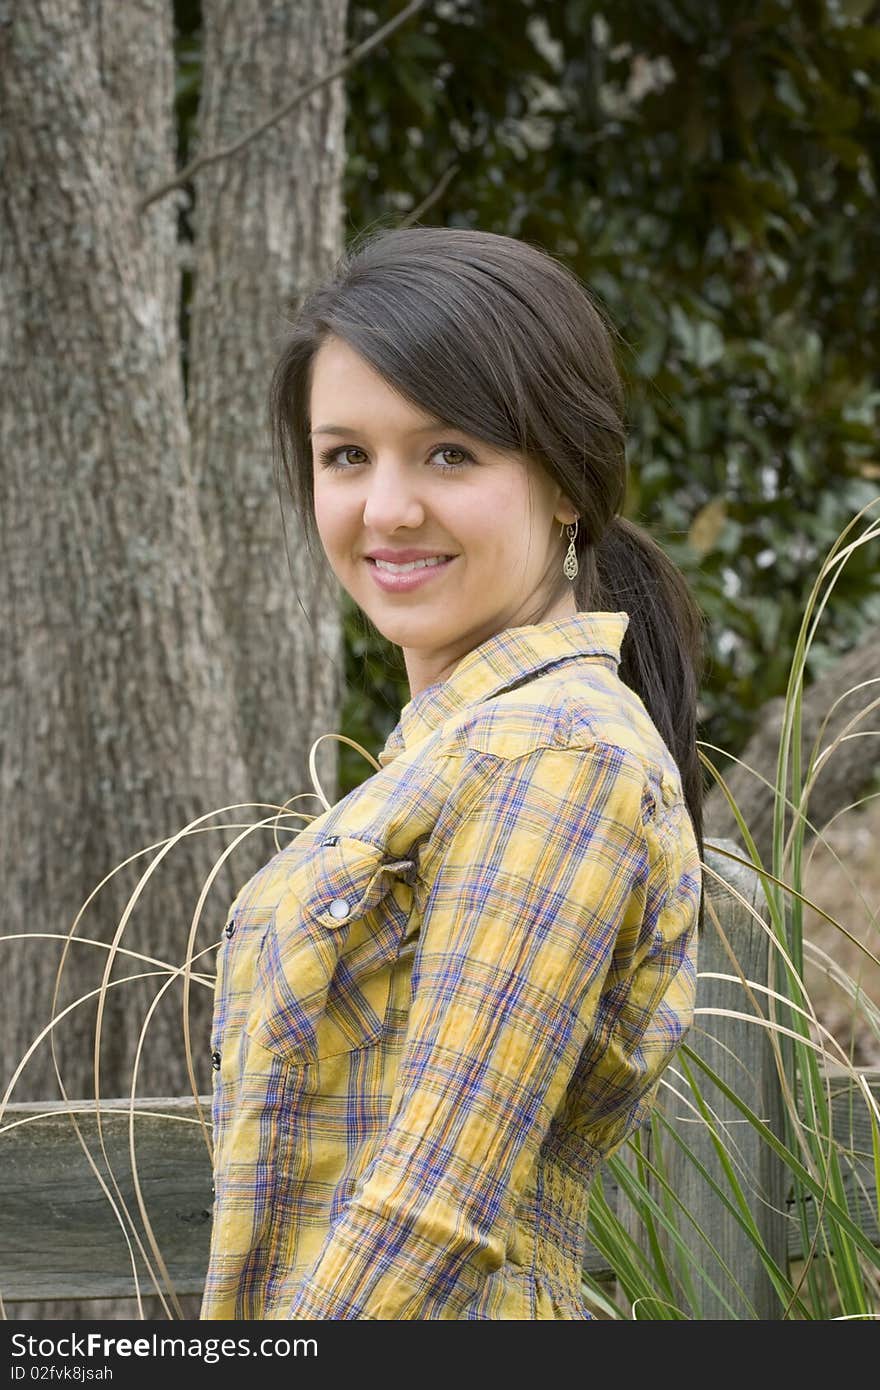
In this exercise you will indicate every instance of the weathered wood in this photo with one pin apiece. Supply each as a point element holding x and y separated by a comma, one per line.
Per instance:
<point>740,1052</point>
<point>851,1128</point>
<point>60,1239</point>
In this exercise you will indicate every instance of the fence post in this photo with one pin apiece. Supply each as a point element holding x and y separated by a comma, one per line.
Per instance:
<point>740,1052</point>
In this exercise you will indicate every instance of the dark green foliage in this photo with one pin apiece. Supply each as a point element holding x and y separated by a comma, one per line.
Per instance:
<point>727,220</point>
<point>709,168</point>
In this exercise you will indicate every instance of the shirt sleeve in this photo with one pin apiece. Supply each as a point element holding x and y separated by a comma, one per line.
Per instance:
<point>528,897</point>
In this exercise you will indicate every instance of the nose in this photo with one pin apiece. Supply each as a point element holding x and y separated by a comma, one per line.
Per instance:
<point>392,498</point>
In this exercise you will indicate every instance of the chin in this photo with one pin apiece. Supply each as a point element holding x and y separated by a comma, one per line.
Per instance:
<point>421,633</point>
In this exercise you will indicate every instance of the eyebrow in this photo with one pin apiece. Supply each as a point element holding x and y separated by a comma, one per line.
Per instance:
<point>351,429</point>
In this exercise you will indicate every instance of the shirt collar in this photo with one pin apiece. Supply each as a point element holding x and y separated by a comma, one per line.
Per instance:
<point>511,657</point>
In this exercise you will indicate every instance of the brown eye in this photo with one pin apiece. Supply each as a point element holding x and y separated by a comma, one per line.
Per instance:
<point>332,458</point>
<point>460,457</point>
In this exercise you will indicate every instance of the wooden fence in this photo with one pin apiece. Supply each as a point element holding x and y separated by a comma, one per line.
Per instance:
<point>60,1237</point>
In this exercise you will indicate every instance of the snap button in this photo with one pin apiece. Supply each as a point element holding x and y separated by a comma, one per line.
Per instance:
<point>339,908</point>
<point>229,928</point>
<point>216,1060</point>
<point>330,840</point>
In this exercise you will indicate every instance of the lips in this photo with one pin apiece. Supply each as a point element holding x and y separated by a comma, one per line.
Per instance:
<point>401,581</point>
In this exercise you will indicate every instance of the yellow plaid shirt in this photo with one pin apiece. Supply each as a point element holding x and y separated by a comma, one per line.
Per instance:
<point>451,997</point>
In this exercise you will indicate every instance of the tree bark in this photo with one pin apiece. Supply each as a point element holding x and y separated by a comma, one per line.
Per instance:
<point>118,713</point>
<point>127,705</point>
<point>268,224</point>
<point>844,774</point>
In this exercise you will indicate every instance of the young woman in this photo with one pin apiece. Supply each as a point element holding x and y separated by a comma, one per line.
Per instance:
<point>452,996</point>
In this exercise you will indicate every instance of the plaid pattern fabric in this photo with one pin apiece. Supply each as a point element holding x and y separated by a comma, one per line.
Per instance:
<point>451,998</point>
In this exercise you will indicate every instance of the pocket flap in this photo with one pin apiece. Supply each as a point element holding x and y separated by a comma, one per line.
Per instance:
<point>323,975</point>
<point>343,878</point>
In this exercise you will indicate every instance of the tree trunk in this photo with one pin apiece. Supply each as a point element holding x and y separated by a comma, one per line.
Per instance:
<point>844,774</point>
<point>268,224</point>
<point>118,716</point>
<point>127,707</point>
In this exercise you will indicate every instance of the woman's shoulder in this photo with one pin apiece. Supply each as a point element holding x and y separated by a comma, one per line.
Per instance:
<point>556,726</point>
<point>577,706</point>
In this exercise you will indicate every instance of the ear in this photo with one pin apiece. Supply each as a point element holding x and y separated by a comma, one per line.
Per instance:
<point>566,511</point>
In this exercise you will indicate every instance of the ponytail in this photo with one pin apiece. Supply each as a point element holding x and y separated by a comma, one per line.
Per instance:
<point>663,653</point>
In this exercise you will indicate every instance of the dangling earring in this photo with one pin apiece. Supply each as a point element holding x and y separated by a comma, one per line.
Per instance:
<point>570,563</point>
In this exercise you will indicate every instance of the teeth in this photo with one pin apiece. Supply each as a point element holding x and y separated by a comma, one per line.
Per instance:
<point>410,564</point>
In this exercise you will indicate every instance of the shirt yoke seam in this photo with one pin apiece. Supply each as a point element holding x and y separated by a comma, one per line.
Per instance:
<point>571,745</point>
<point>563,735</point>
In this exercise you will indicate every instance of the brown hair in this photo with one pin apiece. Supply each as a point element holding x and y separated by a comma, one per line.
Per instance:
<point>496,337</point>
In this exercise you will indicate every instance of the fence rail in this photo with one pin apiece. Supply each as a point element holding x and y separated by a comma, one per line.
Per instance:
<point>62,1237</point>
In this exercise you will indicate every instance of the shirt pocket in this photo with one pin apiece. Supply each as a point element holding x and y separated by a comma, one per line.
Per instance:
<point>324,973</point>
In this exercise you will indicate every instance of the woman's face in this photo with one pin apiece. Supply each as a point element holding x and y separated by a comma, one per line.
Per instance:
<point>398,481</point>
